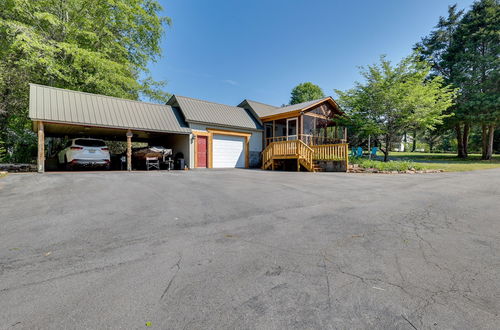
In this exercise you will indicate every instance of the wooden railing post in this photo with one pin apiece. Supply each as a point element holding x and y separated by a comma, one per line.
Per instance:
<point>41,148</point>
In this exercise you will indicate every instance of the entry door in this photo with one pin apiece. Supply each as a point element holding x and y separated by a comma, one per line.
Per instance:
<point>291,129</point>
<point>201,151</point>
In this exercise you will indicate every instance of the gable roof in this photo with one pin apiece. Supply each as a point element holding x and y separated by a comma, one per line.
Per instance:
<point>259,108</point>
<point>73,107</point>
<point>265,110</point>
<point>205,112</point>
<point>296,107</point>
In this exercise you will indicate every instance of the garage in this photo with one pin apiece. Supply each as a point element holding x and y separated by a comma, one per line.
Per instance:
<point>223,136</point>
<point>228,151</point>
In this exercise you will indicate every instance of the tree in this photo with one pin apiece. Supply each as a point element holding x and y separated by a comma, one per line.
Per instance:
<point>94,46</point>
<point>439,49</point>
<point>478,61</point>
<point>464,49</point>
<point>306,92</point>
<point>394,99</point>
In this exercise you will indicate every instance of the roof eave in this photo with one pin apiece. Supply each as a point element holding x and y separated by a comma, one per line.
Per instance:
<point>223,125</point>
<point>51,121</point>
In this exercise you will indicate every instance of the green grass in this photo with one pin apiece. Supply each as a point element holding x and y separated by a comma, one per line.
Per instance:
<point>444,161</point>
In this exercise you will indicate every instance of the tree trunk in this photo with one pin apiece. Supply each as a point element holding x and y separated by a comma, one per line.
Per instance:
<point>414,146</point>
<point>465,140</point>
<point>488,136</point>
<point>460,141</point>
<point>387,147</point>
<point>484,140</point>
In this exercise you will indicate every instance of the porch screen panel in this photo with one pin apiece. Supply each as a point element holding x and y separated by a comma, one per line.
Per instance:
<point>280,127</point>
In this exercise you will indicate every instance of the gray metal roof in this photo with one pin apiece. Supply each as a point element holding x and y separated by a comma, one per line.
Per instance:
<point>199,111</point>
<point>261,109</point>
<point>67,106</point>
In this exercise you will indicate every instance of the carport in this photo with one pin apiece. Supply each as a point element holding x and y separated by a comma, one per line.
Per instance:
<point>59,112</point>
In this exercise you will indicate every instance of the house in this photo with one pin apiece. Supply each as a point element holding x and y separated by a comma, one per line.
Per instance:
<point>223,136</point>
<point>304,133</point>
<point>207,134</point>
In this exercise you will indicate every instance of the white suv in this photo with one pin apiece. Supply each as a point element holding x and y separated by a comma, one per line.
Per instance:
<point>85,152</point>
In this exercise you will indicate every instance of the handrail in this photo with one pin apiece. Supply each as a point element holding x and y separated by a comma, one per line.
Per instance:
<point>293,148</point>
<point>339,151</point>
<point>308,139</point>
<point>298,149</point>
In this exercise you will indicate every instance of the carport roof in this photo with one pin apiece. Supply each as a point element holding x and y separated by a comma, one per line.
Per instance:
<point>65,106</point>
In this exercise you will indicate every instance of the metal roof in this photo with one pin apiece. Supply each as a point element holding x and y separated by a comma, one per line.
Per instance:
<point>261,109</point>
<point>78,108</point>
<point>199,111</point>
<point>294,107</point>
<point>264,110</point>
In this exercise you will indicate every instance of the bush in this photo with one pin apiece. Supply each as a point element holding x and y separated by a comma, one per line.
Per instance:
<point>386,166</point>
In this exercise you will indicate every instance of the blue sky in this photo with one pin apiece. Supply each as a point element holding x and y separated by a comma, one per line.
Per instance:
<point>226,51</point>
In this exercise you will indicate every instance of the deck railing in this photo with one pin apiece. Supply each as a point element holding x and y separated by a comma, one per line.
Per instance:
<point>310,140</point>
<point>337,152</point>
<point>305,155</point>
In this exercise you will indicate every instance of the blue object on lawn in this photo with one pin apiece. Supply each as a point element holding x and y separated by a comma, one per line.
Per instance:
<point>360,152</point>
<point>353,152</point>
<point>374,152</point>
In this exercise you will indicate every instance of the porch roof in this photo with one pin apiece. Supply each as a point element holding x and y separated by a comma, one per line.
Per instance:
<point>265,110</point>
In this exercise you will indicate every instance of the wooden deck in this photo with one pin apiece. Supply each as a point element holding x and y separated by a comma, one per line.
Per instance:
<point>306,156</point>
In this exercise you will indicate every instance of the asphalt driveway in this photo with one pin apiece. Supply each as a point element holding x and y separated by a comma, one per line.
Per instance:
<point>248,249</point>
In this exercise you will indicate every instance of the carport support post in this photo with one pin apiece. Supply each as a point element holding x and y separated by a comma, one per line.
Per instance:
<point>41,148</point>
<point>129,150</point>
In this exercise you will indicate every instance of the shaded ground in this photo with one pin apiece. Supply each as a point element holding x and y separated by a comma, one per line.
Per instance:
<point>250,250</point>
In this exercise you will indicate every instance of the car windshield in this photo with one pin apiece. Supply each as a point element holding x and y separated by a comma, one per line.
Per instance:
<point>89,143</point>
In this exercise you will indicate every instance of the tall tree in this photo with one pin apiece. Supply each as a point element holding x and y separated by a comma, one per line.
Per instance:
<point>394,99</point>
<point>478,61</point>
<point>464,49</point>
<point>439,49</point>
<point>306,92</point>
<point>87,45</point>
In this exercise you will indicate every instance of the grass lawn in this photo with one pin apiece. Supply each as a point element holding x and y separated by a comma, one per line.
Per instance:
<point>447,162</point>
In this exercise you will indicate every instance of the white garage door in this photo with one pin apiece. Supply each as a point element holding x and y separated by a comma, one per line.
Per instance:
<point>228,151</point>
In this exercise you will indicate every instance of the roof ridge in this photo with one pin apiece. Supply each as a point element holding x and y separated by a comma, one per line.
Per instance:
<point>315,100</point>
<point>102,95</point>
<point>199,100</point>
<point>270,105</point>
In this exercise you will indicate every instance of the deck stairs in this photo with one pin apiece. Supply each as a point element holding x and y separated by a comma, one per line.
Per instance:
<point>306,157</point>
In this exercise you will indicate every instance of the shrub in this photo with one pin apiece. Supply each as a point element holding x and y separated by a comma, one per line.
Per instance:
<point>386,166</point>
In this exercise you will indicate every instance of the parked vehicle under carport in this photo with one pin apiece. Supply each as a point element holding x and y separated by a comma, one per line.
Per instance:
<point>85,152</point>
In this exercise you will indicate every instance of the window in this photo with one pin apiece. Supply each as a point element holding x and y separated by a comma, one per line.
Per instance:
<point>90,143</point>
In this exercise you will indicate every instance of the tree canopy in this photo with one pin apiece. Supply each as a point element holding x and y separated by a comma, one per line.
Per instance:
<point>94,46</point>
<point>306,92</point>
<point>393,99</point>
<point>464,50</point>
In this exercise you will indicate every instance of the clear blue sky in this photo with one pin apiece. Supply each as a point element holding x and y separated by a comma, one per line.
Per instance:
<point>228,50</point>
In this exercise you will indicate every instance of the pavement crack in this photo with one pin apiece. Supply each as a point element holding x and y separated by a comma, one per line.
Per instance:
<point>327,283</point>
<point>178,265</point>
<point>409,322</point>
